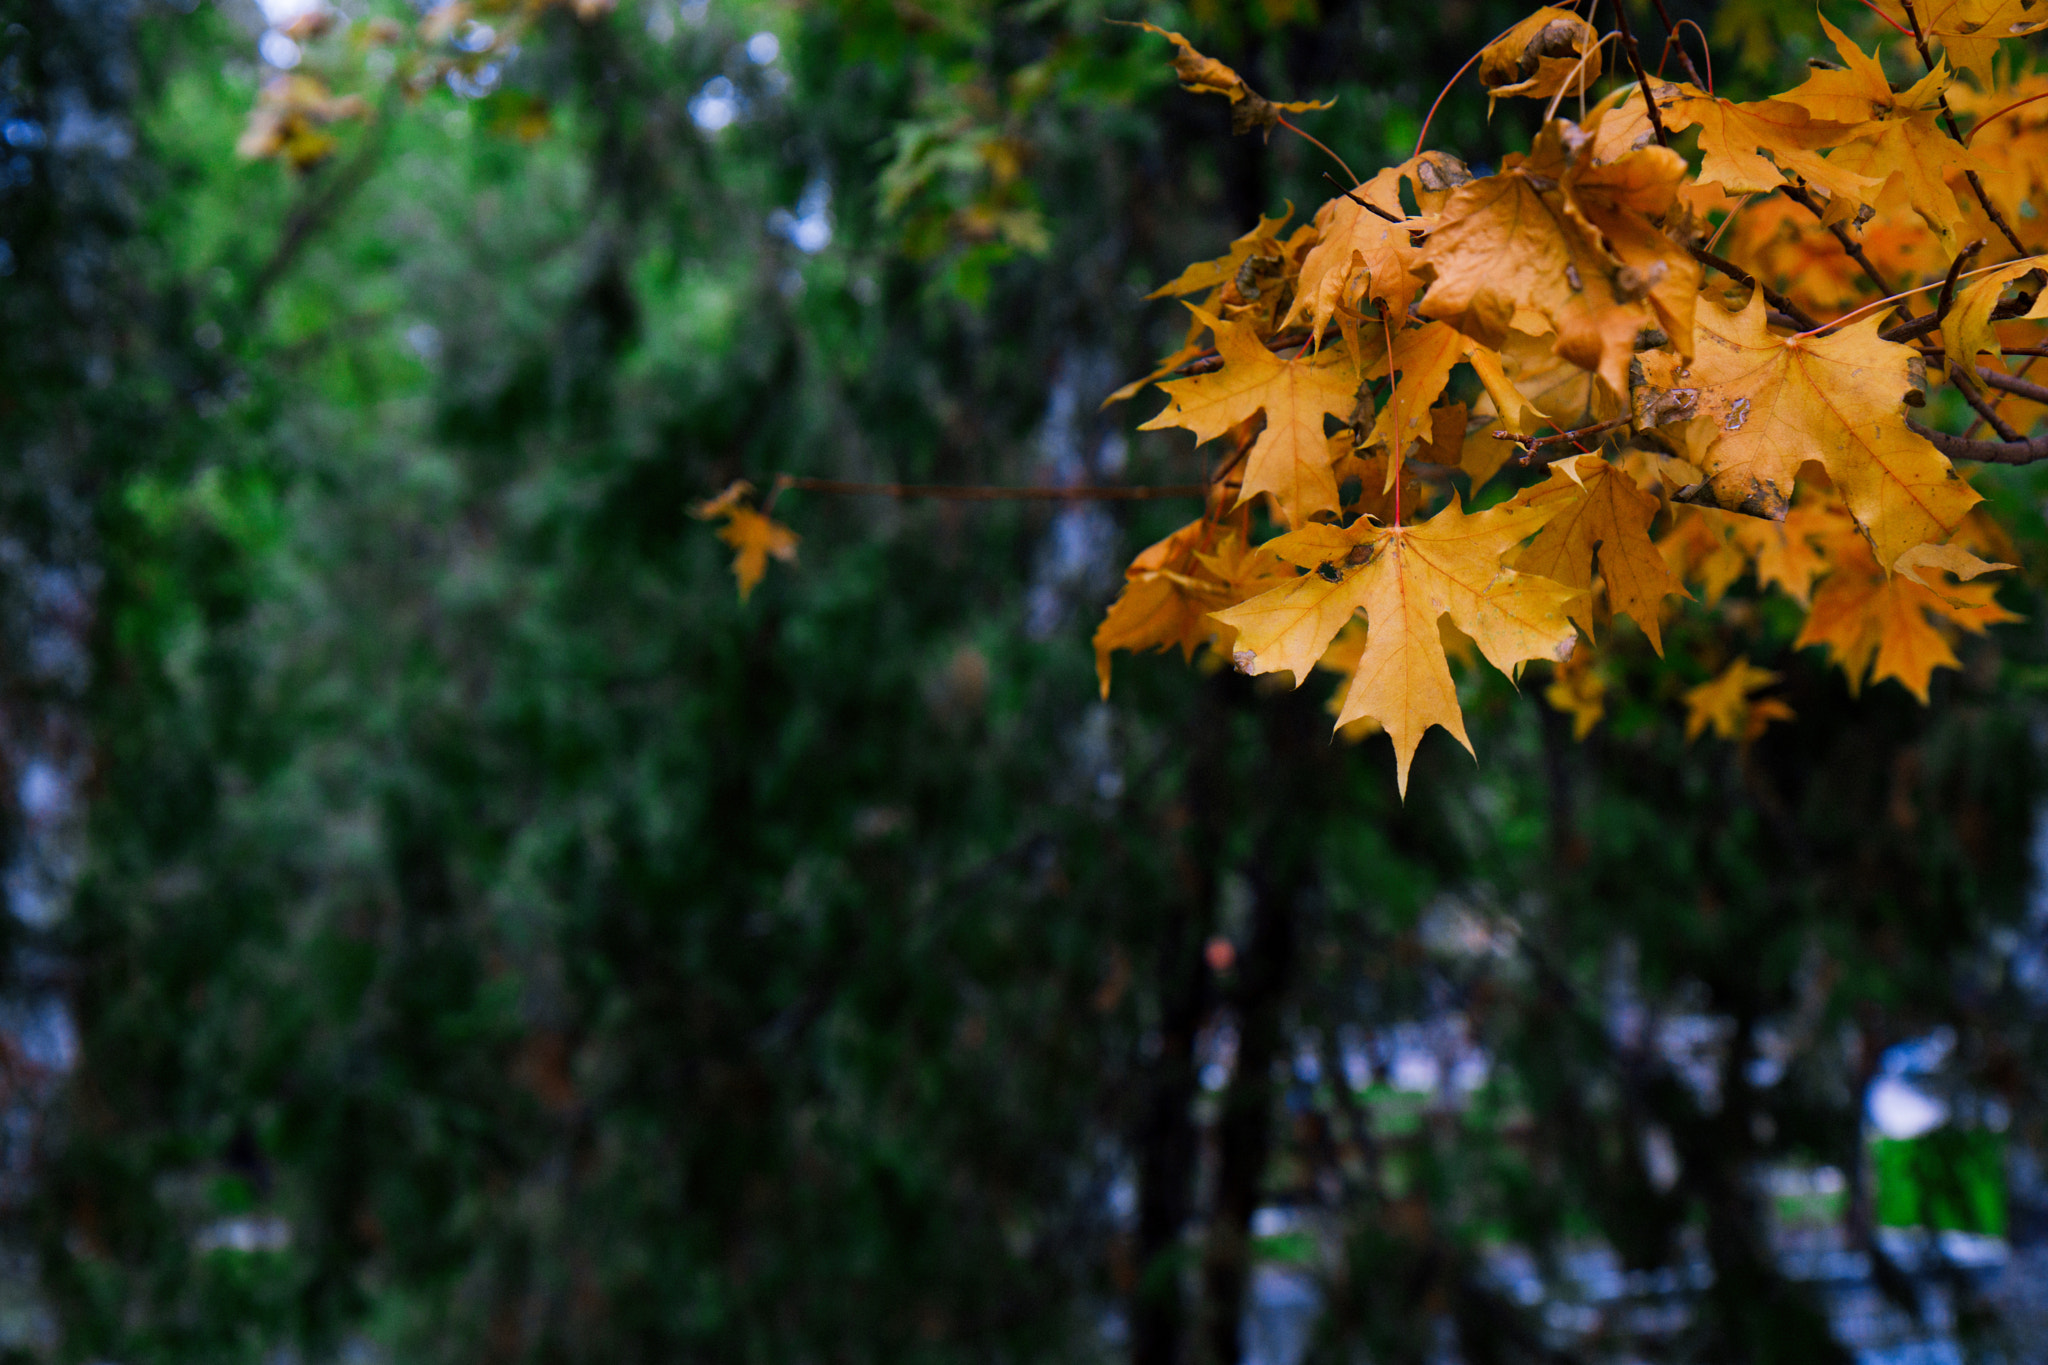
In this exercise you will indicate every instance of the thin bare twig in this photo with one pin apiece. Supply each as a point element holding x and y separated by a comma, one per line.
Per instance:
<point>1981,405</point>
<point>1671,33</point>
<point>1575,438</point>
<point>1778,301</point>
<point>1635,62</point>
<point>972,493</point>
<point>1955,270</point>
<point>1850,245</point>
<point>2013,384</point>
<point>1365,204</point>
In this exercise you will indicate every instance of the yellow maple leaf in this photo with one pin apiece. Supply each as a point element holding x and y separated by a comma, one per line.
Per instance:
<point>1291,460</point>
<point>1969,31</point>
<point>1551,50</point>
<point>754,538</point>
<point>1353,242</point>
<point>1733,137</point>
<point>1891,626</point>
<point>1602,511</point>
<point>1519,241</point>
<point>1725,703</point>
<point>1839,399</point>
<point>1578,690</point>
<point>1966,332</point>
<point>1405,579</point>
<point>1899,143</point>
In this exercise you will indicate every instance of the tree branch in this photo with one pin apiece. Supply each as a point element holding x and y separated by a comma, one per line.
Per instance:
<point>971,493</point>
<point>1635,61</point>
<point>1784,305</point>
<point>1671,33</point>
<point>1955,131</point>
<point>1850,245</point>
<point>2013,384</point>
<point>1531,444</point>
<point>1988,452</point>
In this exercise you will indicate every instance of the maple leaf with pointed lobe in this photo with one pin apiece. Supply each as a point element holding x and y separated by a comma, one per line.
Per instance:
<point>1291,460</point>
<point>1551,50</point>
<point>1838,399</point>
<point>1523,240</point>
<point>1701,548</point>
<point>1602,512</point>
<point>1969,31</point>
<point>1172,586</point>
<point>1900,142</point>
<point>1890,626</point>
<point>1261,241</point>
<point>754,537</point>
<point>1726,704</point>
<point>1419,367</point>
<point>1406,579</point>
<point>1790,554</point>
<point>1354,243</point>
<point>1577,690</point>
<point>1734,137</point>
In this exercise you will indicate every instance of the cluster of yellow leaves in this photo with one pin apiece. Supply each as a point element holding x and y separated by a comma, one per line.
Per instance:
<point>1375,368</point>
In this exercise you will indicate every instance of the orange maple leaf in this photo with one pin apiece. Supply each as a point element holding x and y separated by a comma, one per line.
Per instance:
<point>1525,240</point>
<point>754,537</point>
<point>1352,242</point>
<point>1891,626</point>
<point>1291,460</point>
<point>1601,511</point>
<point>1725,703</point>
<point>1405,579</point>
<point>1551,50</point>
<point>1839,399</point>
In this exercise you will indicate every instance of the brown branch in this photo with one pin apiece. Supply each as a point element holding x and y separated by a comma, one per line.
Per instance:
<point>973,493</point>
<point>1988,452</point>
<point>2013,384</point>
<point>1955,270</point>
<point>1955,131</point>
<point>1937,353</point>
<point>1920,327</point>
<point>1671,33</point>
<point>1797,315</point>
<point>1532,444</point>
<point>1635,61</point>
<point>1850,245</point>
<point>1980,405</point>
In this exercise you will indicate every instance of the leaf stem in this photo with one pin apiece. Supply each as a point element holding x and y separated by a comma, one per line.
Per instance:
<point>1282,119</point>
<point>1996,114</point>
<point>1635,61</point>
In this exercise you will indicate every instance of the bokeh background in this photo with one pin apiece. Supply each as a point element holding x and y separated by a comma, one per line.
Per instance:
<point>444,924</point>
